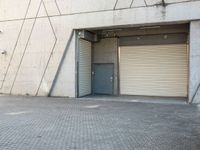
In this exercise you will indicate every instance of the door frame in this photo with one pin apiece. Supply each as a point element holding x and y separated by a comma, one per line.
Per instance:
<point>93,64</point>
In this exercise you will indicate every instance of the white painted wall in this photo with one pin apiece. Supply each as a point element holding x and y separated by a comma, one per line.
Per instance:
<point>10,10</point>
<point>7,43</point>
<point>19,9</point>
<point>65,82</point>
<point>194,81</point>
<point>80,6</point>
<point>38,32</point>
<point>34,59</point>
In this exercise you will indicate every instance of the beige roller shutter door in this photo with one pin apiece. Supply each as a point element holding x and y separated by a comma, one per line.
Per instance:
<point>84,67</point>
<point>157,70</point>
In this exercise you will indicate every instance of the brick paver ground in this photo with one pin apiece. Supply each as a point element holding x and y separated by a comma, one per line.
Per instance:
<point>68,124</point>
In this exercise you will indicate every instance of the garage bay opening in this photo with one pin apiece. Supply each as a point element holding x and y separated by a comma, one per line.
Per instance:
<point>137,61</point>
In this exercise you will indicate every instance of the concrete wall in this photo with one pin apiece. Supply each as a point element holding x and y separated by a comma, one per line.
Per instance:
<point>194,81</point>
<point>35,34</point>
<point>34,51</point>
<point>19,9</point>
<point>105,51</point>
<point>64,83</point>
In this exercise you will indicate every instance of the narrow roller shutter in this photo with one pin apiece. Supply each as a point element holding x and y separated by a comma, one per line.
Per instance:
<point>84,68</point>
<point>157,70</point>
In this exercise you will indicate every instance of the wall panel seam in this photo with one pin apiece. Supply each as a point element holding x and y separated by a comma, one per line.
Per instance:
<point>25,49</point>
<point>89,12</point>
<point>16,43</point>
<point>51,50</point>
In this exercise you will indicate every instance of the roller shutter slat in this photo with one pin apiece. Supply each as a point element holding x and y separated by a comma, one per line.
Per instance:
<point>84,67</point>
<point>155,70</point>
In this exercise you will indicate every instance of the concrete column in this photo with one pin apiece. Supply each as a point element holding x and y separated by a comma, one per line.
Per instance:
<point>194,57</point>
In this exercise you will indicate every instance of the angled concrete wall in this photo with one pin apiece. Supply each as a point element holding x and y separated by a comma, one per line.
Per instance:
<point>194,81</point>
<point>35,34</point>
<point>64,83</point>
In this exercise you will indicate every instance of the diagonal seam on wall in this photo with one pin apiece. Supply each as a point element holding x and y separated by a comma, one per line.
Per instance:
<point>193,97</point>
<point>51,50</point>
<point>57,6</point>
<point>131,3</point>
<point>115,4</point>
<point>25,48</point>
<point>16,43</point>
<point>145,3</point>
<point>61,62</point>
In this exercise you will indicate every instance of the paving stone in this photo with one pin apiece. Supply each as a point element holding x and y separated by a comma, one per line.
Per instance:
<point>40,123</point>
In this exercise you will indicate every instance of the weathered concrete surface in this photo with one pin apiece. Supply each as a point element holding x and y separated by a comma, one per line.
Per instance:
<point>64,84</point>
<point>69,124</point>
<point>17,9</point>
<point>194,81</point>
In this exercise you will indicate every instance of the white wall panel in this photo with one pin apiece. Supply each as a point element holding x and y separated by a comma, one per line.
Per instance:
<point>65,81</point>
<point>8,39</point>
<point>42,11</point>
<point>13,9</point>
<point>17,55</point>
<point>138,3</point>
<point>194,91</point>
<point>153,2</point>
<point>64,84</point>
<point>135,16</point>
<point>33,8</point>
<point>123,4</point>
<point>78,6</point>
<point>51,7</point>
<point>16,9</point>
<point>34,59</point>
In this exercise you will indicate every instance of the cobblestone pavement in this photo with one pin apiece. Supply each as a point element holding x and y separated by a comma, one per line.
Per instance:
<point>68,124</point>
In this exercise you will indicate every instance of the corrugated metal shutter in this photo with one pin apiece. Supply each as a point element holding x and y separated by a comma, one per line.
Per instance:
<point>156,70</point>
<point>84,67</point>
